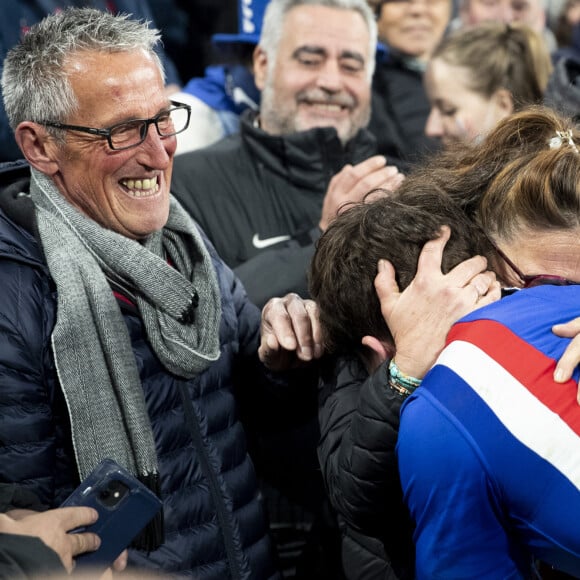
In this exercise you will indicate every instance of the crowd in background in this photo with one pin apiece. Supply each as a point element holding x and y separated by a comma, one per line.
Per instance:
<point>207,50</point>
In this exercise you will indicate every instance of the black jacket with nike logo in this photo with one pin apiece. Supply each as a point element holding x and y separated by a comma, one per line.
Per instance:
<point>259,199</point>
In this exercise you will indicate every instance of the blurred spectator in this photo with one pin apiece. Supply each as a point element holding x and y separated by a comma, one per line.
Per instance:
<point>187,27</point>
<point>219,98</point>
<point>563,90</point>
<point>480,75</point>
<point>568,31</point>
<point>530,12</point>
<point>262,196</point>
<point>17,16</point>
<point>410,31</point>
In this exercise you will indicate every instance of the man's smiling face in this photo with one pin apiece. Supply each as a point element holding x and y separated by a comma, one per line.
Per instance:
<point>320,74</point>
<point>125,191</point>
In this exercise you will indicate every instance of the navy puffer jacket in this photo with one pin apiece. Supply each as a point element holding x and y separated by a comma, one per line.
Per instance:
<point>214,523</point>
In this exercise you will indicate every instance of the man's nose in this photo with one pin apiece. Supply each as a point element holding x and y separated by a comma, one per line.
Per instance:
<point>330,76</point>
<point>157,151</point>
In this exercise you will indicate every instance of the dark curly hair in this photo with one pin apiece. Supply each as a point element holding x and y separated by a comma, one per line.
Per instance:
<point>395,228</point>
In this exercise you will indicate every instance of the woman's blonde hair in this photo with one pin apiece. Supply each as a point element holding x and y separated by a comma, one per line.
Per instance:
<point>500,56</point>
<point>523,175</point>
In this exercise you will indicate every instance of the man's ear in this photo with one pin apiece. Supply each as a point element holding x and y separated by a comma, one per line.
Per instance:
<point>37,146</point>
<point>378,351</point>
<point>504,102</point>
<point>260,67</point>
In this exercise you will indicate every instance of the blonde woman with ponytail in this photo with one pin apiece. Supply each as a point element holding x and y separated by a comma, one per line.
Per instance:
<point>479,76</point>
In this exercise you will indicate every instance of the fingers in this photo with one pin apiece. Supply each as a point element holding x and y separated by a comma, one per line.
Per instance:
<point>121,562</point>
<point>467,270</point>
<point>386,177</point>
<point>386,287</point>
<point>354,182</point>
<point>118,566</point>
<point>75,517</point>
<point>431,255</point>
<point>289,325</point>
<point>308,332</point>
<point>303,315</point>
<point>567,330</point>
<point>84,542</point>
<point>276,330</point>
<point>79,543</point>
<point>486,288</point>
<point>482,282</point>
<point>350,175</point>
<point>492,294</point>
<point>571,358</point>
<point>568,362</point>
<point>278,324</point>
<point>52,528</point>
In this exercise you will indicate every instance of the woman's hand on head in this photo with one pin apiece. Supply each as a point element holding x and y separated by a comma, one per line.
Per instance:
<point>420,317</point>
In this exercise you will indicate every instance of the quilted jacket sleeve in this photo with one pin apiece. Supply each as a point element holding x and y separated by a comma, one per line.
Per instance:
<point>28,436</point>
<point>359,422</point>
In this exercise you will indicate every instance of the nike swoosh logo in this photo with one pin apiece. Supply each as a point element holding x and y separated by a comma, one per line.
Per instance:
<point>260,244</point>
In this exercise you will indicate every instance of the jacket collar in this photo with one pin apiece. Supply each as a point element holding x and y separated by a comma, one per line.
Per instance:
<point>308,158</point>
<point>18,231</point>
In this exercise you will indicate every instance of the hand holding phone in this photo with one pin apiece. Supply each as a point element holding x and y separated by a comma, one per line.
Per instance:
<point>52,528</point>
<point>125,507</point>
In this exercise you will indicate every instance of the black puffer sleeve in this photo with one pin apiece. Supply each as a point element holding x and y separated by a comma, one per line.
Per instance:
<point>359,423</point>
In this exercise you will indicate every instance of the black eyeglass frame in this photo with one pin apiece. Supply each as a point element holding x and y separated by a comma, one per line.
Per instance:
<point>107,133</point>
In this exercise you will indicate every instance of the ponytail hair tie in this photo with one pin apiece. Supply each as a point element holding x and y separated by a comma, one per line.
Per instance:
<point>563,137</point>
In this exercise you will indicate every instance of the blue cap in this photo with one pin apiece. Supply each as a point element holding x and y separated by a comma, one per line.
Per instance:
<point>250,16</point>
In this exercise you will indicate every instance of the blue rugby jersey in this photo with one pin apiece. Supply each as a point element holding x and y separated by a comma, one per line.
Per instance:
<point>489,445</point>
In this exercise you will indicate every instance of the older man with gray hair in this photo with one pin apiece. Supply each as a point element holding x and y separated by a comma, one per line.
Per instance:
<point>120,327</point>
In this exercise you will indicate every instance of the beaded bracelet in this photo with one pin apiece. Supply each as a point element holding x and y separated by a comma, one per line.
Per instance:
<point>404,392</point>
<point>400,382</point>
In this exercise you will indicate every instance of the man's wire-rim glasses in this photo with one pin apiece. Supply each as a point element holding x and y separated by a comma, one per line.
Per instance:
<point>132,133</point>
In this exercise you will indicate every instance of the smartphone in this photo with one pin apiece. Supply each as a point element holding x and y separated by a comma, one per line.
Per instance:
<point>125,507</point>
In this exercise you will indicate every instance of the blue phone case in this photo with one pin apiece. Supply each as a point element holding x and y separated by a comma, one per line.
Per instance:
<point>125,507</point>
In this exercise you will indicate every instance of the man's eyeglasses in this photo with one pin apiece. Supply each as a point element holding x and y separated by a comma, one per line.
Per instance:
<point>529,281</point>
<point>132,133</point>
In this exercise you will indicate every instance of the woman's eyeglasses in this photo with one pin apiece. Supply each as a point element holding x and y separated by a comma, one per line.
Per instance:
<point>531,280</point>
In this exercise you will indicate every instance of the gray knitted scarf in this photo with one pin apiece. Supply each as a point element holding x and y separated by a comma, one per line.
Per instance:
<point>169,276</point>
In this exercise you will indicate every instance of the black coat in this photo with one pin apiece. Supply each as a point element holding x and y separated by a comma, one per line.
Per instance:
<point>399,112</point>
<point>251,188</point>
<point>214,521</point>
<point>246,191</point>
<point>359,424</point>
